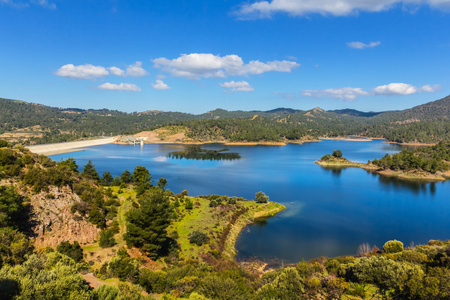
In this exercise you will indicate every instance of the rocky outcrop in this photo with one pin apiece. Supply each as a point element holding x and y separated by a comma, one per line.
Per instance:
<point>54,222</point>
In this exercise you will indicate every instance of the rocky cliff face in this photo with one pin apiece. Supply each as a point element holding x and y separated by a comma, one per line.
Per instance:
<point>54,223</point>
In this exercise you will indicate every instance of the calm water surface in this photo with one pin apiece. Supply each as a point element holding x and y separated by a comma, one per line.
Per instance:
<point>328,212</point>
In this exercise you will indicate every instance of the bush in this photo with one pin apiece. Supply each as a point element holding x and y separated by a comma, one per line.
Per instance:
<point>393,246</point>
<point>73,251</point>
<point>107,238</point>
<point>198,238</point>
<point>261,197</point>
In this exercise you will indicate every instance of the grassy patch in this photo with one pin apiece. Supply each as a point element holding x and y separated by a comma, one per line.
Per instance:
<point>213,221</point>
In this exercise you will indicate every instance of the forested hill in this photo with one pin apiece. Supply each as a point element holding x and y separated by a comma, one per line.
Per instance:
<point>35,123</point>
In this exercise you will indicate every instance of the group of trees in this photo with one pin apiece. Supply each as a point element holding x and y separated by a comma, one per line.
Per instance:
<point>430,159</point>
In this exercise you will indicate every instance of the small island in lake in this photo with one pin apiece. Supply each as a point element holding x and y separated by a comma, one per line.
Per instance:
<point>426,164</point>
<point>198,153</point>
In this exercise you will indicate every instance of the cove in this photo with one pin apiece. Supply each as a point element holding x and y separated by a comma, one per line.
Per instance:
<point>329,212</point>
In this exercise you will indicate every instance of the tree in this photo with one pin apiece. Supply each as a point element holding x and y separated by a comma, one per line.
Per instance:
<point>337,153</point>
<point>107,238</point>
<point>147,224</point>
<point>126,177</point>
<point>142,179</point>
<point>13,246</point>
<point>90,172</point>
<point>12,210</point>
<point>261,197</point>
<point>106,178</point>
<point>162,183</point>
<point>70,163</point>
<point>73,251</point>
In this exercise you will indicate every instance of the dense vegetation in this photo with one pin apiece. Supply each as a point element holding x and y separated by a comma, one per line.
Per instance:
<point>34,123</point>
<point>196,152</point>
<point>430,159</point>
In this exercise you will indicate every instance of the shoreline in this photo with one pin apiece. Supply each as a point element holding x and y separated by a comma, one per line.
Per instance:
<point>418,176</point>
<point>269,210</point>
<point>68,147</point>
<point>76,146</point>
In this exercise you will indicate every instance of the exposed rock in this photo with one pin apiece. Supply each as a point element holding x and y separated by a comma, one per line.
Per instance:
<point>54,223</point>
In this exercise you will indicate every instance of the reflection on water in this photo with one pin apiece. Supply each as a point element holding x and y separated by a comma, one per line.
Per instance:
<point>335,171</point>
<point>329,212</point>
<point>415,186</point>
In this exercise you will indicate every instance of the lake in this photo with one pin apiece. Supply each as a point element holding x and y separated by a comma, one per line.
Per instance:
<point>328,212</point>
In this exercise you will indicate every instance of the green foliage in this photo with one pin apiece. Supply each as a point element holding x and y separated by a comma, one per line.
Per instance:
<point>260,197</point>
<point>97,218</point>
<point>14,245</point>
<point>12,209</point>
<point>188,204</point>
<point>90,172</point>
<point>107,292</point>
<point>142,179</point>
<point>73,251</point>
<point>287,285</point>
<point>337,153</point>
<point>162,183</point>
<point>393,246</point>
<point>70,163</point>
<point>4,144</point>
<point>126,177</point>
<point>430,159</point>
<point>42,178</point>
<point>49,276</point>
<point>124,267</point>
<point>147,224</point>
<point>107,238</point>
<point>221,287</point>
<point>154,281</point>
<point>388,275</point>
<point>198,238</point>
<point>106,179</point>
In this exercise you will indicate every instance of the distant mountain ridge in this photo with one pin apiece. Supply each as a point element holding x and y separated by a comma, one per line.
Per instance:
<point>20,120</point>
<point>354,112</point>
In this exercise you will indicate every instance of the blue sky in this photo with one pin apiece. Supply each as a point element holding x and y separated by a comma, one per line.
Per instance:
<point>195,56</point>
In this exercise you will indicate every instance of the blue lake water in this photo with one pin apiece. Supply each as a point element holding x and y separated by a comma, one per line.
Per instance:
<point>328,212</point>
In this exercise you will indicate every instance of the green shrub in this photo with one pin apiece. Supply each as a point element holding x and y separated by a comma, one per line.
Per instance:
<point>393,246</point>
<point>198,238</point>
<point>261,197</point>
<point>73,251</point>
<point>107,238</point>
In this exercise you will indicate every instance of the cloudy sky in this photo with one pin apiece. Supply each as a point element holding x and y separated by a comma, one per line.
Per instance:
<point>195,56</point>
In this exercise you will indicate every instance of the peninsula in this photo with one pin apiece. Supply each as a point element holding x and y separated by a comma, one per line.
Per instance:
<point>431,163</point>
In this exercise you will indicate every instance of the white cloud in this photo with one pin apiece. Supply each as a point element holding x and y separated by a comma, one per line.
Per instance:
<point>119,87</point>
<point>265,9</point>
<point>117,71</point>
<point>160,85</point>
<point>136,70</point>
<point>239,86</point>
<point>197,65</point>
<point>343,93</point>
<point>350,93</point>
<point>361,45</point>
<point>45,3</point>
<point>395,89</point>
<point>86,71</point>
<point>23,4</point>
<point>430,88</point>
